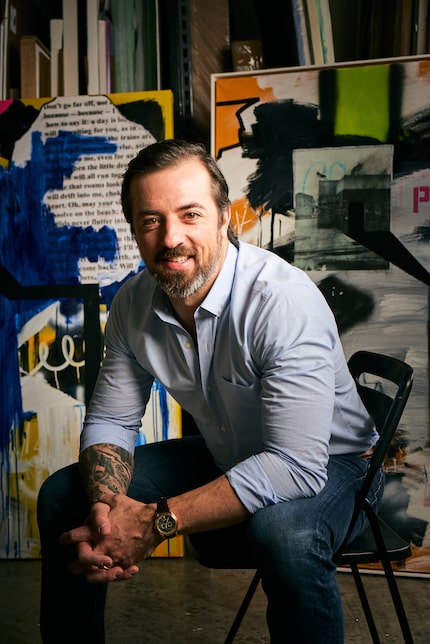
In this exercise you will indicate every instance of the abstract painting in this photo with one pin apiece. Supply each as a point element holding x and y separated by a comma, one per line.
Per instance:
<point>329,167</point>
<point>61,228</point>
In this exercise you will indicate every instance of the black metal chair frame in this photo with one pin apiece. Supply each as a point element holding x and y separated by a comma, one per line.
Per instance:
<point>378,543</point>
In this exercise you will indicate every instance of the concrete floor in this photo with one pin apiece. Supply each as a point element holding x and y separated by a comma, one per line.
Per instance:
<point>177,601</point>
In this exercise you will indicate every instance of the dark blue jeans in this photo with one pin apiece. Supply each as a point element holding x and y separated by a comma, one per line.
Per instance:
<point>292,543</point>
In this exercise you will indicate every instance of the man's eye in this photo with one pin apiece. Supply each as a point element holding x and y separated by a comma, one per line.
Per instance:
<point>192,215</point>
<point>150,221</point>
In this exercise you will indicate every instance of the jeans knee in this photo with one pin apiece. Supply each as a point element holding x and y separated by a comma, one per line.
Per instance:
<point>276,539</point>
<point>60,496</point>
<point>45,498</point>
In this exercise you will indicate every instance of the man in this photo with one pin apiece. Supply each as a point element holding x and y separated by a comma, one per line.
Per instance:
<point>248,346</point>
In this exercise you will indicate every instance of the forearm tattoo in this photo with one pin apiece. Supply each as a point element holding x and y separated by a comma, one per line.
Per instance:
<point>105,468</point>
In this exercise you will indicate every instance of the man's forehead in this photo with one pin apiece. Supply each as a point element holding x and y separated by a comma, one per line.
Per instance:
<point>190,175</point>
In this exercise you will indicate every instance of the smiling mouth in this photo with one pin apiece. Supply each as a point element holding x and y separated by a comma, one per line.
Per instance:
<point>176,264</point>
<point>175,256</point>
<point>176,260</point>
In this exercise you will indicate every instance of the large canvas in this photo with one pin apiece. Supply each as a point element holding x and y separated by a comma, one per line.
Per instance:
<point>330,168</point>
<point>61,223</point>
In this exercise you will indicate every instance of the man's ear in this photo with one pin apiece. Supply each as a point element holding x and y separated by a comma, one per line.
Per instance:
<point>226,219</point>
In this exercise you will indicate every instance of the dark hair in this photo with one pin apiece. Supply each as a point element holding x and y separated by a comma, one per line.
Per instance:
<point>166,154</point>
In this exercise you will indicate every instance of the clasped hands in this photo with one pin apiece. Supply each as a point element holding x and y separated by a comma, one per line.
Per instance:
<point>117,534</point>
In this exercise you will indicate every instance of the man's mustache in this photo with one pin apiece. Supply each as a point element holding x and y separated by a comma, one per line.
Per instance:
<point>172,253</point>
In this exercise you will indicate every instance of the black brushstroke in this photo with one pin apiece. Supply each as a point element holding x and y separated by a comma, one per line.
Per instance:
<point>15,121</point>
<point>147,113</point>
<point>244,105</point>
<point>413,148</point>
<point>350,305</point>
<point>281,127</point>
<point>420,234</point>
<point>385,244</point>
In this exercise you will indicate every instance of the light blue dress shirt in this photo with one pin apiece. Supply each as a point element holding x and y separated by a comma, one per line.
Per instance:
<point>267,382</point>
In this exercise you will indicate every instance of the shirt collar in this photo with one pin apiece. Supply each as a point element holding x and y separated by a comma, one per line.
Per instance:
<point>219,295</point>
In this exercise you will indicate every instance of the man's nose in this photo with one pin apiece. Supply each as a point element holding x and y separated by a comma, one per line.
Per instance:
<point>173,234</point>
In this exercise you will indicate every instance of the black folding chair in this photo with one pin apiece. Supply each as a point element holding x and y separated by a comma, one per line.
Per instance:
<point>378,543</point>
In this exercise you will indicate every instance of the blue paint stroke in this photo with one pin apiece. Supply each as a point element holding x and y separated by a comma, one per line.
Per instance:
<point>164,411</point>
<point>35,251</point>
<point>80,242</point>
<point>11,413</point>
<point>30,241</point>
<point>159,393</point>
<point>321,166</point>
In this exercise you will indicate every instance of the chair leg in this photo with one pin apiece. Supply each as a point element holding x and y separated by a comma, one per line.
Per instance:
<point>365,604</point>
<point>243,608</point>
<point>397,601</point>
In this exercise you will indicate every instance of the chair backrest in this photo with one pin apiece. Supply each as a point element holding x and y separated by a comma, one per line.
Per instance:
<point>369,370</point>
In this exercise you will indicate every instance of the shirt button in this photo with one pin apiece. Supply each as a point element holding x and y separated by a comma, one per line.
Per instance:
<point>223,427</point>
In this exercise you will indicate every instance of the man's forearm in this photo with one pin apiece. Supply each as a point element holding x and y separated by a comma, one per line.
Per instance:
<point>211,506</point>
<point>105,468</point>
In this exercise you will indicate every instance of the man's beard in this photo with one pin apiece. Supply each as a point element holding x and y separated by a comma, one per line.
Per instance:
<point>179,286</point>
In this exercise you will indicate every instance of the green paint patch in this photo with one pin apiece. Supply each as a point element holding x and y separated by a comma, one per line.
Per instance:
<point>363,102</point>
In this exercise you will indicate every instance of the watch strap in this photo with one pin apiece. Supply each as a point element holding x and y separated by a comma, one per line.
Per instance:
<point>162,506</point>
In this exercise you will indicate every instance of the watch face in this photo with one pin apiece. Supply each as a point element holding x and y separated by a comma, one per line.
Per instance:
<point>166,524</point>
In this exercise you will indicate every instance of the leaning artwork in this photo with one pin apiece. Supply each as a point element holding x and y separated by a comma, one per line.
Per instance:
<point>65,249</point>
<point>329,167</point>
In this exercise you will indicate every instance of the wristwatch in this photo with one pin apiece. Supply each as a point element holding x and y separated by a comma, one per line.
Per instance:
<point>165,522</point>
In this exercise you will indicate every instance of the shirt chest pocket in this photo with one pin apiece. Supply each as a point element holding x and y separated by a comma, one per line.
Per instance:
<point>241,405</point>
